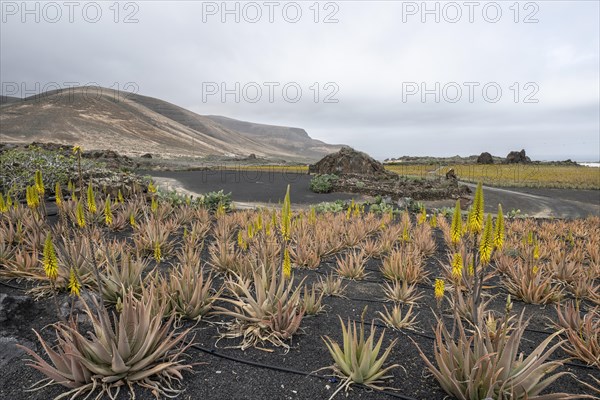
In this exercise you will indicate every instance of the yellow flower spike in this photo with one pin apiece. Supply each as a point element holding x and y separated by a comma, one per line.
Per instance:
<point>32,196</point>
<point>259,222</point>
<point>499,229</point>
<point>250,231</point>
<point>286,214</point>
<point>530,237</point>
<point>348,212</point>
<point>91,199</point>
<point>74,285</point>
<point>39,183</point>
<point>356,212</point>
<point>120,197</point>
<point>3,205</point>
<point>153,205</point>
<point>9,200</point>
<point>108,216</point>
<point>157,252</point>
<point>536,252</point>
<point>486,245</point>
<point>422,216</point>
<point>438,289</point>
<point>132,220</point>
<point>471,268</point>
<point>405,234</point>
<point>433,221</point>
<point>475,220</point>
<point>151,187</point>
<point>535,269</point>
<point>80,215</point>
<point>50,261</point>
<point>77,149</point>
<point>456,231</point>
<point>457,265</point>
<point>312,217</point>
<point>58,194</point>
<point>287,264</point>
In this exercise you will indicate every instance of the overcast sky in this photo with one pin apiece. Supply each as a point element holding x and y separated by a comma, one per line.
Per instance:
<point>384,77</point>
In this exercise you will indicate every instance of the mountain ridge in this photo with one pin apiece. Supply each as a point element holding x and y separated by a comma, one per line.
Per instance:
<point>135,124</point>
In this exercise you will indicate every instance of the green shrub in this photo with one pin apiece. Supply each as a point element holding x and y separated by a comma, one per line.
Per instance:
<point>322,183</point>
<point>212,200</point>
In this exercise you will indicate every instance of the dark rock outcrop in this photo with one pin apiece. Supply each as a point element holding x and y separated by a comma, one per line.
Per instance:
<point>485,158</point>
<point>349,161</point>
<point>517,157</point>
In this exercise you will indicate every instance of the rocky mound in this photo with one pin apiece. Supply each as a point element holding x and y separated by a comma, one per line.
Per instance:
<point>349,161</point>
<point>485,158</point>
<point>517,157</point>
<point>357,172</point>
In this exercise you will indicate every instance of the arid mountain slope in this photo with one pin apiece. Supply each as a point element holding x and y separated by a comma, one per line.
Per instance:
<point>135,124</point>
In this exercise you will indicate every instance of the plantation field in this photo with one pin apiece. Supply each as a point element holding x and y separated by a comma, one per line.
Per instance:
<point>271,303</point>
<point>511,175</point>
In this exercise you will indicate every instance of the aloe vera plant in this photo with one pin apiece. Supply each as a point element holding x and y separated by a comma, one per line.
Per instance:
<point>359,360</point>
<point>135,349</point>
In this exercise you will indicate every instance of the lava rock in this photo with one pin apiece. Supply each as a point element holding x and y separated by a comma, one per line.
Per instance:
<point>349,161</point>
<point>485,158</point>
<point>517,157</point>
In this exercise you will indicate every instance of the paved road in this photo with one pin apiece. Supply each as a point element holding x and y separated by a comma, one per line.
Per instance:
<point>544,203</point>
<point>269,187</point>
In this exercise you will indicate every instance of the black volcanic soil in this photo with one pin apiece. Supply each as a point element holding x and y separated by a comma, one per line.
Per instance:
<point>230,373</point>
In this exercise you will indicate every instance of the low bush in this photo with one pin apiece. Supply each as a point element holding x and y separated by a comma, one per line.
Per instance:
<point>322,183</point>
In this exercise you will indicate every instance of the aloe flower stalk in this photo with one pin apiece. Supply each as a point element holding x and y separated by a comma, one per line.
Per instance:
<point>456,227</point>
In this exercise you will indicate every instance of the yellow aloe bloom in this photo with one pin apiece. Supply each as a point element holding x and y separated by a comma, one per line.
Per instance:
<point>536,252</point>
<point>132,220</point>
<point>259,222</point>
<point>433,221</point>
<point>9,200</point>
<point>486,245</point>
<point>151,187</point>
<point>77,149</point>
<point>153,205</point>
<point>3,205</point>
<point>74,285</point>
<point>475,220</point>
<point>535,269</point>
<point>39,182</point>
<point>405,234</point>
<point>220,210</point>
<point>286,214</point>
<point>50,261</point>
<point>471,268</point>
<point>312,217</point>
<point>530,237</point>
<point>157,252</point>
<point>80,215</point>
<point>108,217</point>
<point>250,231</point>
<point>422,216</point>
<point>348,212</point>
<point>91,199</point>
<point>439,288</point>
<point>32,196</point>
<point>457,265</point>
<point>58,194</point>
<point>120,197</point>
<point>241,242</point>
<point>287,264</point>
<point>456,227</point>
<point>499,229</point>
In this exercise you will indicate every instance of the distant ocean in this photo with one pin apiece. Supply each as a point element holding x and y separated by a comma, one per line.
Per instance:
<point>591,164</point>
